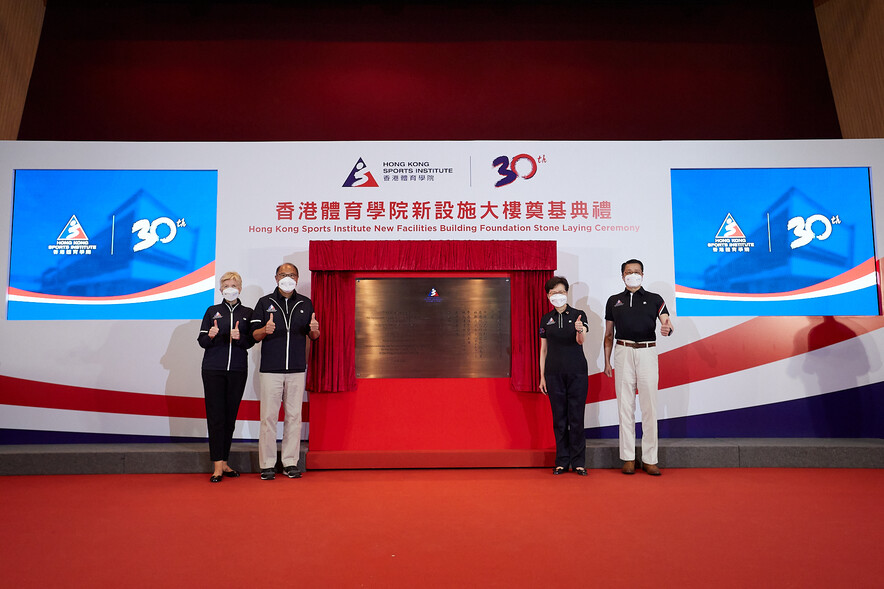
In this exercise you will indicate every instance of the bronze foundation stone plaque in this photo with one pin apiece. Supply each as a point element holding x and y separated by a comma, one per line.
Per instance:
<point>432,327</point>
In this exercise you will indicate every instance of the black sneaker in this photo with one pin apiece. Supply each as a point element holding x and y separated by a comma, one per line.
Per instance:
<point>292,472</point>
<point>268,474</point>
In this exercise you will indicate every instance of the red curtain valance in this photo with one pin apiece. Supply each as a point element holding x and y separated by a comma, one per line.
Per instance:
<point>435,256</point>
<point>333,265</point>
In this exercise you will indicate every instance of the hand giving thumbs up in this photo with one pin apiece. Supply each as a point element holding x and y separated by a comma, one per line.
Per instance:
<point>666,327</point>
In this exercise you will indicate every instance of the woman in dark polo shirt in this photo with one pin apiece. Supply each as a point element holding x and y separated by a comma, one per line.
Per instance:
<point>564,375</point>
<point>225,335</point>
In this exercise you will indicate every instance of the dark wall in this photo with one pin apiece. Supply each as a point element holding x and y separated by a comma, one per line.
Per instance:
<point>203,71</point>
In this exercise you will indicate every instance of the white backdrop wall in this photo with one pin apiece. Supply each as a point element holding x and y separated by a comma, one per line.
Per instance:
<point>160,357</point>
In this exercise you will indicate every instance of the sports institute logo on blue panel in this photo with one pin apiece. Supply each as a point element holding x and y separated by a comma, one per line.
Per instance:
<point>130,244</point>
<point>803,245</point>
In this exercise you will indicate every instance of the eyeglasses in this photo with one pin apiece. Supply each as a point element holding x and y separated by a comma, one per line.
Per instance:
<point>287,275</point>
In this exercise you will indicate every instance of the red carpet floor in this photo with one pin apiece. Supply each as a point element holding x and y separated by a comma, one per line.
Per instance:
<point>447,528</point>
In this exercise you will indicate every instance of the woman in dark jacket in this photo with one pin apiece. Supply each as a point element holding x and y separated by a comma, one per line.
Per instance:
<point>225,336</point>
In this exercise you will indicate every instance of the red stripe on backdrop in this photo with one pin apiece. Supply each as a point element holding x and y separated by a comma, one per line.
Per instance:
<point>32,393</point>
<point>756,342</point>
<point>867,267</point>
<point>207,271</point>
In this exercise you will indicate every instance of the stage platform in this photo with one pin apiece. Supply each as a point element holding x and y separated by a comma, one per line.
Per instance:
<point>674,453</point>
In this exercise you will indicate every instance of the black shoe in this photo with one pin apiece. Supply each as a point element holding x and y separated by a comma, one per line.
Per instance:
<point>559,470</point>
<point>231,473</point>
<point>292,472</point>
<point>215,478</point>
<point>268,474</point>
<point>581,471</point>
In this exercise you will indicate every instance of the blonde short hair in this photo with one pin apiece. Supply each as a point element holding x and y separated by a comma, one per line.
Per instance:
<point>234,275</point>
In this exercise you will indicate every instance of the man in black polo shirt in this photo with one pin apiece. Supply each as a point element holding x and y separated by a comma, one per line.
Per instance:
<point>633,314</point>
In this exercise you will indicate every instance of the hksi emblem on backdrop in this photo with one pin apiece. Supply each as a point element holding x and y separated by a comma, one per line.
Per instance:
<point>433,296</point>
<point>730,238</point>
<point>72,239</point>
<point>521,166</point>
<point>360,177</point>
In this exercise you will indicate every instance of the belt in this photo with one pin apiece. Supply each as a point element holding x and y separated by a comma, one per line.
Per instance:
<point>635,345</point>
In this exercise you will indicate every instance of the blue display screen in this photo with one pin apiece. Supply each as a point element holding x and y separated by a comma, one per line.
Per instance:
<point>112,244</point>
<point>777,241</point>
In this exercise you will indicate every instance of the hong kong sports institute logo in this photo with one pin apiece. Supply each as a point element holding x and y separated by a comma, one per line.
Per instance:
<point>730,238</point>
<point>360,177</point>
<point>72,239</point>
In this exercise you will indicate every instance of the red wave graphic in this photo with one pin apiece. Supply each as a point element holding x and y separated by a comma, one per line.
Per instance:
<point>756,342</point>
<point>32,393</point>
<point>853,274</point>
<point>194,277</point>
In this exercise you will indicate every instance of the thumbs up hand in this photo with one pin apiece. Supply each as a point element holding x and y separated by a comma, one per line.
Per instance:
<point>213,331</point>
<point>270,326</point>
<point>666,327</point>
<point>314,324</point>
<point>234,333</point>
<point>578,325</point>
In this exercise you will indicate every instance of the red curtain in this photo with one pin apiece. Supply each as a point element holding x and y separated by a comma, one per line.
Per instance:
<point>527,305</point>
<point>333,265</point>
<point>333,356</point>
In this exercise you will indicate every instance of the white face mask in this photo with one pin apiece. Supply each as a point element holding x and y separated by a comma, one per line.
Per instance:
<point>287,284</point>
<point>633,280</point>
<point>558,300</point>
<point>230,293</point>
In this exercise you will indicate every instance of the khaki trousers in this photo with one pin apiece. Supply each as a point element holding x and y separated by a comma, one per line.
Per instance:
<point>636,369</point>
<point>286,390</point>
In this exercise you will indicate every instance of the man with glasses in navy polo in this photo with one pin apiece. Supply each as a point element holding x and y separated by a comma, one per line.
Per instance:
<point>282,322</point>
<point>631,320</point>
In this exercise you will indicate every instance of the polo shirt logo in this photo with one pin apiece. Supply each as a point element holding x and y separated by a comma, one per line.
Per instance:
<point>551,321</point>
<point>272,309</point>
<point>217,315</point>
<point>619,303</point>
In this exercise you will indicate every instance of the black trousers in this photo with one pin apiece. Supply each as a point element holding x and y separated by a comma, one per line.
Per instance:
<point>223,390</point>
<point>567,398</point>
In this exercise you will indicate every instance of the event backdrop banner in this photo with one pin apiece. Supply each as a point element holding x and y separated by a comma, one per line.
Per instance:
<point>113,251</point>
<point>112,244</point>
<point>787,241</point>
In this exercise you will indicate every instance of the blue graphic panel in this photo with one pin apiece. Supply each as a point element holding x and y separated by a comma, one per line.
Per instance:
<point>112,244</point>
<point>778,241</point>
